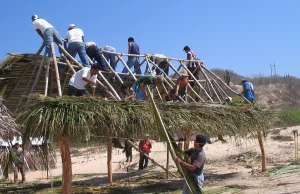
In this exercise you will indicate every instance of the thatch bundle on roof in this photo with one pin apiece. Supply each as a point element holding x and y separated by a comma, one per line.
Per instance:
<point>76,116</point>
<point>8,126</point>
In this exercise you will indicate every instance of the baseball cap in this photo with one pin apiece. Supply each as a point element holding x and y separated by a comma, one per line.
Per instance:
<point>34,17</point>
<point>71,25</point>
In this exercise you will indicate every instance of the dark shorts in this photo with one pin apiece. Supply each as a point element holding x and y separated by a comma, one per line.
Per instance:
<point>72,91</point>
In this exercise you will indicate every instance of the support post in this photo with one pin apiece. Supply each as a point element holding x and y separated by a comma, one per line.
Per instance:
<point>47,78</point>
<point>109,159</point>
<point>168,158</point>
<point>263,155</point>
<point>66,165</point>
<point>56,70</point>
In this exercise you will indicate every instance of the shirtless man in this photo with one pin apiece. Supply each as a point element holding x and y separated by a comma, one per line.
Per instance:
<point>182,85</point>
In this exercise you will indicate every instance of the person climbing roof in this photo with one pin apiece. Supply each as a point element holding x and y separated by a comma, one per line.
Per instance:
<point>93,51</point>
<point>247,91</point>
<point>47,32</point>
<point>192,66</point>
<point>75,38</point>
<point>182,86</point>
<point>140,85</point>
<point>162,63</point>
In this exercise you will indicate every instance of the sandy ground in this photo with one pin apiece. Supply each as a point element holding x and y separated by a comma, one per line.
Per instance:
<point>235,162</point>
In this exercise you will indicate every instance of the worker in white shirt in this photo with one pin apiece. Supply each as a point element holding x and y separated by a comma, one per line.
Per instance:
<point>75,38</point>
<point>47,32</point>
<point>81,78</point>
<point>162,63</point>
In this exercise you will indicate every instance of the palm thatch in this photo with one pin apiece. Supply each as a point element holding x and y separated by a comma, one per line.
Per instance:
<point>77,116</point>
<point>8,126</point>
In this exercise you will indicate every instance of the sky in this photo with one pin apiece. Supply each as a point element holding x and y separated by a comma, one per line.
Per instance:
<point>245,36</point>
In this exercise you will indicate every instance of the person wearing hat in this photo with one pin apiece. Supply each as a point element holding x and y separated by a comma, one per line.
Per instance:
<point>47,32</point>
<point>145,147</point>
<point>75,39</point>
<point>81,78</point>
<point>192,66</point>
<point>182,86</point>
<point>139,87</point>
<point>162,63</point>
<point>247,92</point>
<point>197,156</point>
<point>133,61</point>
<point>94,53</point>
<point>18,162</point>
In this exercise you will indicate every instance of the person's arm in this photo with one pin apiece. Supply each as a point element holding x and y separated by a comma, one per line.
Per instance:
<point>65,43</point>
<point>142,87</point>
<point>40,33</point>
<point>129,97</point>
<point>89,81</point>
<point>244,90</point>
<point>93,90</point>
<point>190,167</point>
<point>129,47</point>
<point>82,38</point>
<point>177,87</point>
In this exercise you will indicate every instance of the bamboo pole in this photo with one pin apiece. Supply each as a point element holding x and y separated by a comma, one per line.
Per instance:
<point>139,66</point>
<point>109,159</point>
<point>189,86</point>
<point>35,80</point>
<point>263,155</point>
<point>152,160</point>
<point>27,68</point>
<point>66,165</point>
<point>69,56</point>
<point>196,81</point>
<point>220,88</point>
<point>47,78</point>
<point>111,69</point>
<point>168,159</point>
<point>65,80</point>
<point>209,83</point>
<point>56,70</point>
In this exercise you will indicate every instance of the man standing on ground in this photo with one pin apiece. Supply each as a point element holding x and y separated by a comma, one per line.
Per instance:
<point>247,91</point>
<point>182,86</point>
<point>162,63</point>
<point>197,156</point>
<point>81,78</point>
<point>19,165</point>
<point>192,66</point>
<point>93,51</point>
<point>133,48</point>
<point>139,86</point>
<point>128,149</point>
<point>145,147</point>
<point>75,38</point>
<point>47,32</point>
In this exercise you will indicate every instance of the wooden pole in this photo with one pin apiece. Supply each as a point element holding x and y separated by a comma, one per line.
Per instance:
<point>56,70</point>
<point>168,158</point>
<point>69,56</point>
<point>120,58</point>
<point>209,83</point>
<point>109,159</point>
<point>111,69</point>
<point>187,139</point>
<point>66,165</point>
<point>263,155</point>
<point>220,88</point>
<point>47,78</point>
<point>196,81</point>
<point>137,149</point>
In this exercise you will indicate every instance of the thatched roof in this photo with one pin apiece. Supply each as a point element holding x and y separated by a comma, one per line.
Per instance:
<point>8,127</point>
<point>75,116</point>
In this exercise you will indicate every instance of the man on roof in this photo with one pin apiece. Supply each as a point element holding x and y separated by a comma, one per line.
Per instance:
<point>124,94</point>
<point>162,63</point>
<point>93,51</point>
<point>133,61</point>
<point>81,78</point>
<point>182,86</point>
<point>193,67</point>
<point>47,32</point>
<point>141,83</point>
<point>247,91</point>
<point>198,157</point>
<point>75,39</point>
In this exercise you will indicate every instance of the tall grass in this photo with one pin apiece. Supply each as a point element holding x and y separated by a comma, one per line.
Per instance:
<point>289,118</point>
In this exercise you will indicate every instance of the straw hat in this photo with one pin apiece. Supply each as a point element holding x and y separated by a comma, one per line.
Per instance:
<point>184,73</point>
<point>160,78</point>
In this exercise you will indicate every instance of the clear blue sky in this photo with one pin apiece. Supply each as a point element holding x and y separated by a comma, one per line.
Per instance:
<point>241,35</point>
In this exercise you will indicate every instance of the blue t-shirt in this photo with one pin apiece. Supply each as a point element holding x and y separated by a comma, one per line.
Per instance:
<point>135,49</point>
<point>248,91</point>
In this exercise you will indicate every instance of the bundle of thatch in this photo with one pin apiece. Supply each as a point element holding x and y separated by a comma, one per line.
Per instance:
<point>77,116</point>
<point>8,126</point>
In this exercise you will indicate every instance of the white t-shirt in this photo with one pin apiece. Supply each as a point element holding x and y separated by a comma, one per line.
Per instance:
<point>41,24</point>
<point>74,35</point>
<point>76,80</point>
<point>159,57</point>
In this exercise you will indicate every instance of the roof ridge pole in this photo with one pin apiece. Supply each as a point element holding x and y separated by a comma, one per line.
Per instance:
<point>235,92</point>
<point>209,83</point>
<point>56,70</point>
<point>197,82</point>
<point>36,80</point>
<point>190,87</point>
<point>105,80</point>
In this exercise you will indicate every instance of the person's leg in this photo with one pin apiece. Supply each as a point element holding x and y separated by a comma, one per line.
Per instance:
<point>146,160</point>
<point>130,63</point>
<point>80,92</point>
<point>48,38</point>
<point>112,61</point>
<point>141,161</point>
<point>72,49</point>
<point>82,54</point>
<point>185,189</point>
<point>22,171</point>
<point>72,91</point>
<point>137,67</point>
<point>57,40</point>
<point>15,175</point>
<point>200,180</point>
<point>98,58</point>
<point>90,52</point>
